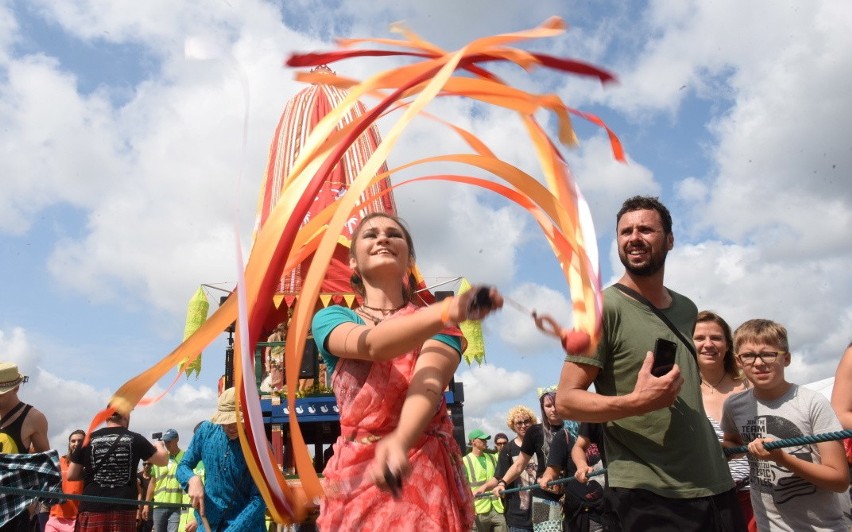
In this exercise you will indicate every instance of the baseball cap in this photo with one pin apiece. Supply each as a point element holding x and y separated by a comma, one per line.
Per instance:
<point>478,434</point>
<point>170,435</point>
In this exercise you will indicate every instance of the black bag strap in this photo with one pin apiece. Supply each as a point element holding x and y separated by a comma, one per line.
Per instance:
<point>642,299</point>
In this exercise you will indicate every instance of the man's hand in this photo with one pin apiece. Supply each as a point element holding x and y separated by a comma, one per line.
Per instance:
<point>191,526</point>
<point>195,490</point>
<point>653,393</point>
<point>498,491</point>
<point>582,474</point>
<point>549,475</point>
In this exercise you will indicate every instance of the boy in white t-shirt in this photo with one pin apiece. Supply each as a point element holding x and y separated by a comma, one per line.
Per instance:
<point>793,488</point>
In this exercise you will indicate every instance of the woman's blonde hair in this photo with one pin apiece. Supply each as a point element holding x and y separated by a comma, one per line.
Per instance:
<point>519,411</point>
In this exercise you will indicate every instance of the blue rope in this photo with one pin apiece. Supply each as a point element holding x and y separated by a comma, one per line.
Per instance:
<point>792,442</point>
<point>777,444</point>
<point>89,498</point>
<point>556,482</point>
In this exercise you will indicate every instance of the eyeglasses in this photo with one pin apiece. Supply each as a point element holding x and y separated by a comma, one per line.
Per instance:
<point>767,357</point>
<point>523,422</point>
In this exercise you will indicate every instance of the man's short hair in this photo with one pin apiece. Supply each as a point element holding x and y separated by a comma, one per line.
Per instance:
<point>646,203</point>
<point>759,331</point>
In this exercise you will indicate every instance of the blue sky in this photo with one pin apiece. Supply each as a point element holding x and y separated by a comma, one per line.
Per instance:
<point>124,181</point>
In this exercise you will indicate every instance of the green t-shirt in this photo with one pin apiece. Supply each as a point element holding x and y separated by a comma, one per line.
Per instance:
<point>672,451</point>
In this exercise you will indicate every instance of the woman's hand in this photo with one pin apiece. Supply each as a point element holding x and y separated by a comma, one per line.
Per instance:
<point>475,304</point>
<point>390,464</point>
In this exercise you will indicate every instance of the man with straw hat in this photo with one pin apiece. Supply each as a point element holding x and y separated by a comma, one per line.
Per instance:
<point>228,498</point>
<point>23,428</point>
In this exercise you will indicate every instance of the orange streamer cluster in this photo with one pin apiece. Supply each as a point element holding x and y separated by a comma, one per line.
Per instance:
<point>283,242</point>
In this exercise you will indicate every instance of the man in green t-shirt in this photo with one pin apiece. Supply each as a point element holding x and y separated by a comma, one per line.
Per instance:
<point>666,468</point>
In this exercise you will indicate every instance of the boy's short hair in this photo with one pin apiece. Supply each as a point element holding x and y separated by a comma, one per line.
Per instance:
<point>761,332</point>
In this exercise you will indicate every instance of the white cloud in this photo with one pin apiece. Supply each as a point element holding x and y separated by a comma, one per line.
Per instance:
<point>521,333</point>
<point>810,298</point>
<point>15,347</point>
<point>487,384</point>
<point>70,405</point>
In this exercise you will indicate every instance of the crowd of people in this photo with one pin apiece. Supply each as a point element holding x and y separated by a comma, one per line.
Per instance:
<point>659,432</point>
<point>172,490</point>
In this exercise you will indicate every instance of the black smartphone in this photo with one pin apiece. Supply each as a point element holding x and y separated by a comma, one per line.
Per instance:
<point>157,436</point>
<point>481,301</point>
<point>664,357</point>
<point>394,484</point>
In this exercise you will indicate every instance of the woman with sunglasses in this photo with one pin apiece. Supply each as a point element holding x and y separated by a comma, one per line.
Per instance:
<point>516,505</point>
<point>535,448</point>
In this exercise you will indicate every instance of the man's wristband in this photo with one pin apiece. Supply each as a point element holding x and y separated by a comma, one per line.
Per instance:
<point>501,482</point>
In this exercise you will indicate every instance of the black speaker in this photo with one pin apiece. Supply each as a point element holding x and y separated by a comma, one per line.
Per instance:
<point>457,417</point>
<point>310,360</point>
<point>229,367</point>
<point>440,295</point>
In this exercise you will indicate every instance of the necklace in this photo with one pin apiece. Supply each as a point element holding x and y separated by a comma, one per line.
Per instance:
<point>364,314</point>
<point>714,387</point>
<point>384,311</point>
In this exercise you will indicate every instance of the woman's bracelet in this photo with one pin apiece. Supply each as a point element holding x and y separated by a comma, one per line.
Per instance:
<point>445,312</point>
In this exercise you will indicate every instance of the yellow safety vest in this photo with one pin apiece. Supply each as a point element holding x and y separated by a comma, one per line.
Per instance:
<point>477,475</point>
<point>166,486</point>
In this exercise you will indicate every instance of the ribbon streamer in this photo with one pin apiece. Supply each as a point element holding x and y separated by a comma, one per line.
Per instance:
<point>283,242</point>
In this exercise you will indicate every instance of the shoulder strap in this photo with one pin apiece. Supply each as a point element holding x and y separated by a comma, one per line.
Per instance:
<point>640,298</point>
<point>9,415</point>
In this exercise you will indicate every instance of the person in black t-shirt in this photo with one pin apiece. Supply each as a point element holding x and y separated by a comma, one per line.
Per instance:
<point>536,447</point>
<point>108,464</point>
<point>583,505</point>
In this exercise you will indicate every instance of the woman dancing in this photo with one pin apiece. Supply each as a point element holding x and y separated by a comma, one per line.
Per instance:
<point>396,465</point>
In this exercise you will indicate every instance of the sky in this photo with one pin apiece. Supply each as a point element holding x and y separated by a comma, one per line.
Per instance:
<point>125,183</point>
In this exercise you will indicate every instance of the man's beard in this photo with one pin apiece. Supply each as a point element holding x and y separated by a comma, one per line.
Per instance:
<point>654,264</point>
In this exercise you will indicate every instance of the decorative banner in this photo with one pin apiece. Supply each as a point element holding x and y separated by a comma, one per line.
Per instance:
<point>472,330</point>
<point>288,236</point>
<point>196,315</point>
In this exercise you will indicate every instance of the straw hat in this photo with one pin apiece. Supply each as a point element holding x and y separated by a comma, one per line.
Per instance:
<point>225,409</point>
<point>9,377</point>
